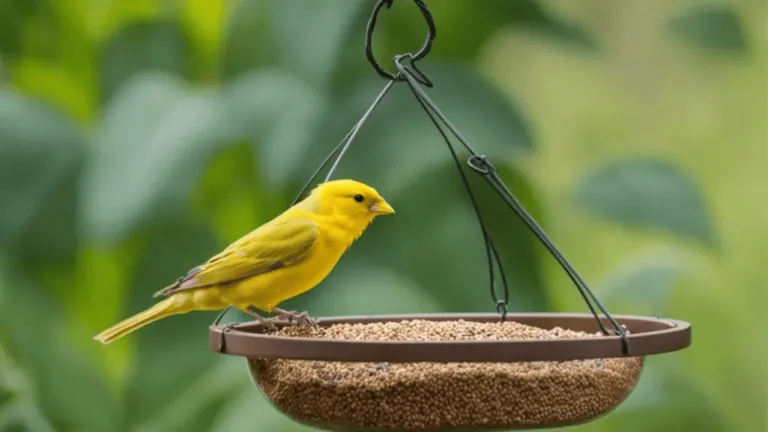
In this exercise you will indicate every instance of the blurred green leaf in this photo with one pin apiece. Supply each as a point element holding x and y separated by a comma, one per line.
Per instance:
<point>59,86</point>
<point>199,405</point>
<point>278,112</point>
<point>173,352</point>
<point>714,27</point>
<point>231,196</point>
<point>40,151</point>
<point>55,370</point>
<point>362,286</point>
<point>252,411</point>
<point>15,15</point>
<point>649,194</point>
<point>668,395</point>
<point>248,42</point>
<point>644,281</point>
<point>310,35</point>
<point>144,46</point>
<point>153,144</point>
<point>52,234</point>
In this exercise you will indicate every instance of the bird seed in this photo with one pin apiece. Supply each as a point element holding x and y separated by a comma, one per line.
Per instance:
<point>443,396</point>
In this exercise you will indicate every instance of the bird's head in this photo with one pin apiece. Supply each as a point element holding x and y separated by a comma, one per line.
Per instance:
<point>351,198</point>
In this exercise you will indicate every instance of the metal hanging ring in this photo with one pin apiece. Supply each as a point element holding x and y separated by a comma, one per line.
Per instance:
<point>419,55</point>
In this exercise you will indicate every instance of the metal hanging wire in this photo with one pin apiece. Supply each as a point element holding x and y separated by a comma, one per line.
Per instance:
<point>415,79</point>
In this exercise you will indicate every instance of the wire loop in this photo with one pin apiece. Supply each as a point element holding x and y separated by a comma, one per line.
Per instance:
<point>501,309</point>
<point>481,165</point>
<point>420,54</point>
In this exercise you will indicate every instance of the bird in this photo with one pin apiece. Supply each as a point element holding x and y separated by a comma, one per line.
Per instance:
<point>285,257</point>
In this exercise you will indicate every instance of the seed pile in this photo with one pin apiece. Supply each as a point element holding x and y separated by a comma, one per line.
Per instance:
<point>443,396</point>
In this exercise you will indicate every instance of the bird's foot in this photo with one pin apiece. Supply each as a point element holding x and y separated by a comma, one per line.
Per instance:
<point>267,323</point>
<point>291,316</point>
<point>254,315</point>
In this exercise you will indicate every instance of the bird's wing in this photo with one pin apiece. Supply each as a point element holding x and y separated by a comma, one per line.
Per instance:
<point>283,242</point>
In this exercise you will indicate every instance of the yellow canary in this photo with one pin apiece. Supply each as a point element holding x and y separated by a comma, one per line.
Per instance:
<point>283,258</point>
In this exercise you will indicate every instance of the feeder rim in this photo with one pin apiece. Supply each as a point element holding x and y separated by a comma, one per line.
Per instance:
<point>648,336</point>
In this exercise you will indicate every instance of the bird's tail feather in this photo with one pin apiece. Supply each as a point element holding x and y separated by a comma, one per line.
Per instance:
<point>160,310</point>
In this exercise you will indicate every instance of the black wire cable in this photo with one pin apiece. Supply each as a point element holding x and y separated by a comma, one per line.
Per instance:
<point>341,148</point>
<point>491,251</point>
<point>481,165</point>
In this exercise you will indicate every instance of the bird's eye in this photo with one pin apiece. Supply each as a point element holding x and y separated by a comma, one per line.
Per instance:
<point>358,198</point>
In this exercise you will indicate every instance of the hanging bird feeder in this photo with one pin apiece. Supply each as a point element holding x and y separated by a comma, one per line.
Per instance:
<point>495,371</point>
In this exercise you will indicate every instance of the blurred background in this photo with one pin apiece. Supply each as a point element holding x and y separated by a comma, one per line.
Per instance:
<point>139,137</point>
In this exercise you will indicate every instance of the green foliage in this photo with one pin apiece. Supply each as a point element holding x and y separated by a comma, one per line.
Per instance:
<point>142,46</point>
<point>14,15</point>
<point>40,150</point>
<point>714,27</point>
<point>666,387</point>
<point>648,194</point>
<point>136,140</point>
<point>51,366</point>
<point>643,284</point>
<point>155,138</point>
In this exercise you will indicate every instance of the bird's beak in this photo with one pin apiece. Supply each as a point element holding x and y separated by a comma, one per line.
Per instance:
<point>381,207</point>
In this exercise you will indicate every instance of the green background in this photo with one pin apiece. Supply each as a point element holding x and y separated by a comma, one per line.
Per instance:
<point>139,137</point>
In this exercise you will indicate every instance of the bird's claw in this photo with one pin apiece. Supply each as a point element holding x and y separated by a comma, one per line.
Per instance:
<point>299,318</point>
<point>267,323</point>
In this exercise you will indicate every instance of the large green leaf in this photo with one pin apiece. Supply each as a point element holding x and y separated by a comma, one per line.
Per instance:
<point>714,27</point>
<point>143,46</point>
<point>154,142</point>
<point>311,35</point>
<point>647,193</point>
<point>280,113</point>
<point>40,151</point>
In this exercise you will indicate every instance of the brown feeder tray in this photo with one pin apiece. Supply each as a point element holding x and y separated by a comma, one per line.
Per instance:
<point>448,372</point>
